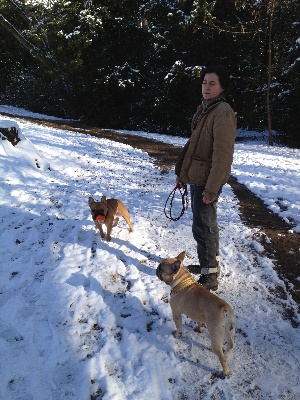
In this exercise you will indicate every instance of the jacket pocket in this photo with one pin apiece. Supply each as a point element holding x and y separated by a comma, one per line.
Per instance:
<point>199,170</point>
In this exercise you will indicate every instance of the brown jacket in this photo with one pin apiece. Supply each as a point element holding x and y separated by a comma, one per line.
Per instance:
<point>207,156</point>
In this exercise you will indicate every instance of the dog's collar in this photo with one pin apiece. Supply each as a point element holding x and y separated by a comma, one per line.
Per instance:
<point>183,284</point>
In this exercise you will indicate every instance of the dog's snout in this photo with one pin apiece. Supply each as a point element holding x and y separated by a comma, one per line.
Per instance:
<point>95,213</point>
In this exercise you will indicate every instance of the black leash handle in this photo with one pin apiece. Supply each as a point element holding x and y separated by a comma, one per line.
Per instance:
<point>184,199</point>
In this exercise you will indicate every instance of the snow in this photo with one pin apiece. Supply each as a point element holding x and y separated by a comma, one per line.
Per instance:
<point>82,318</point>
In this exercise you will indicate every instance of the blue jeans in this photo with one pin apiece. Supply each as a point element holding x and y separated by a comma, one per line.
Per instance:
<point>205,229</point>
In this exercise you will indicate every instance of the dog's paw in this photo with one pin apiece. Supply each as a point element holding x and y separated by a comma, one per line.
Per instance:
<point>177,334</point>
<point>199,328</point>
<point>220,375</point>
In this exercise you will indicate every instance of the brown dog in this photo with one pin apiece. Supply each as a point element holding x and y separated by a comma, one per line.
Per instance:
<point>106,211</point>
<point>190,298</point>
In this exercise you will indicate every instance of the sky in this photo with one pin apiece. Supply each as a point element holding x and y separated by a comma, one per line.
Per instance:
<point>86,319</point>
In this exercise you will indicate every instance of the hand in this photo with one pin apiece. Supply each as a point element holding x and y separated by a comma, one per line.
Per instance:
<point>179,184</point>
<point>207,199</point>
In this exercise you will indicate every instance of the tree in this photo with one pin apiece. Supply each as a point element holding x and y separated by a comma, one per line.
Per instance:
<point>135,65</point>
<point>21,38</point>
<point>286,108</point>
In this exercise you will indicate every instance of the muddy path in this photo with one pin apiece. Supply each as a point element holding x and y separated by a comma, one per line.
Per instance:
<point>273,232</point>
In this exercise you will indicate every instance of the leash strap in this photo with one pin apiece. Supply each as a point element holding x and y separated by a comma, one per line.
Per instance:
<point>184,199</point>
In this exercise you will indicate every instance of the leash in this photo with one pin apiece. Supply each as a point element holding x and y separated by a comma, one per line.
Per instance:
<point>184,200</point>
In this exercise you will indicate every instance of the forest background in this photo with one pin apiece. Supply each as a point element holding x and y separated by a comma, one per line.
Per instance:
<point>127,64</point>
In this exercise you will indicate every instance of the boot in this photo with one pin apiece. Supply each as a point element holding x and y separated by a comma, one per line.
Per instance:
<point>218,265</point>
<point>209,281</point>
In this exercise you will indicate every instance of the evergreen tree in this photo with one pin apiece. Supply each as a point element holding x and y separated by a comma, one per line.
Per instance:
<point>135,65</point>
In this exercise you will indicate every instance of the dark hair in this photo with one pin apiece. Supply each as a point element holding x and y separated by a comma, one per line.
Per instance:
<point>223,75</point>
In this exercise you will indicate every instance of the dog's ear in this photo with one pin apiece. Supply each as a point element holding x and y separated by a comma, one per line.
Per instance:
<point>103,199</point>
<point>91,200</point>
<point>175,267</point>
<point>181,256</point>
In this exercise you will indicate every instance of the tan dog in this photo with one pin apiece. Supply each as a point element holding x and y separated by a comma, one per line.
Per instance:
<point>106,211</point>
<point>190,298</point>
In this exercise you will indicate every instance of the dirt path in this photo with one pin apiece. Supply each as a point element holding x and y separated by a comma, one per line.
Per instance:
<point>279,243</point>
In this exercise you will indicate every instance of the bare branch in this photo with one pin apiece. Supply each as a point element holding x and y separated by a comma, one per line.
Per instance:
<point>35,51</point>
<point>22,12</point>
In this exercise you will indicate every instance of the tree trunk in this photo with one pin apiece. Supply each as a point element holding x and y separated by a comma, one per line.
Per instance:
<point>269,70</point>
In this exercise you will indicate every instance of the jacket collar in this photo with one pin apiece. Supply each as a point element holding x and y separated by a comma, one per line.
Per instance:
<point>207,104</point>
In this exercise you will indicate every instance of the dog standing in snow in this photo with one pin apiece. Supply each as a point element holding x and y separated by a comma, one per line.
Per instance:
<point>106,212</point>
<point>190,298</point>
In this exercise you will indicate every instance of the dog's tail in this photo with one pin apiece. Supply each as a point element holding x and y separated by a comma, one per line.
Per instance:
<point>229,320</point>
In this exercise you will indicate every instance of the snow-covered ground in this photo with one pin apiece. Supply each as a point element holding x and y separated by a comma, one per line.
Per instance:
<point>82,318</point>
